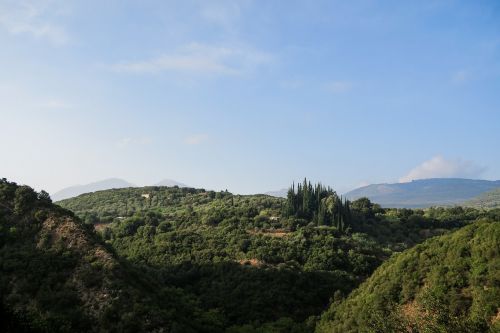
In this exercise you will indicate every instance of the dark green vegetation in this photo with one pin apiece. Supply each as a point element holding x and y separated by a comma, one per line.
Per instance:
<point>486,200</point>
<point>447,284</point>
<point>56,275</point>
<point>258,259</point>
<point>235,253</point>
<point>191,260</point>
<point>318,204</point>
<point>425,192</point>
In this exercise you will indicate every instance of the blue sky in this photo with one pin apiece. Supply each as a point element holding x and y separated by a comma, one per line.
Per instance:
<point>248,95</point>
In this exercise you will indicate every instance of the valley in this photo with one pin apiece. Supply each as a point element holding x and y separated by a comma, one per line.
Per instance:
<point>234,263</point>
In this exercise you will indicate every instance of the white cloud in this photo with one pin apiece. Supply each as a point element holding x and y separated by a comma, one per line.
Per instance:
<point>33,18</point>
<point>200,58</point>
<point>338,87</point>
<point>439,167</point>
<point>196,139</point>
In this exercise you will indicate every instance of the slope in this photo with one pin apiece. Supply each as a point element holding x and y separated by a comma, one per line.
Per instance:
<point>488,200</point>
<point>244,257</point>
<point>447,284</point>
<point>56,275</point>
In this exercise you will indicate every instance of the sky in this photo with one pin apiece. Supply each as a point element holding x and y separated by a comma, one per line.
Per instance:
<point>248,95</point>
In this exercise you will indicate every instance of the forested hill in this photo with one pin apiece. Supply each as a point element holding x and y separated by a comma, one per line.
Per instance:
<point>425,192</point>
<point>448,284</point>
<point>264,264</point>
<point>57,275</point>
<point>486,200</point>
<point>190,260</point>
<point>239,255</point>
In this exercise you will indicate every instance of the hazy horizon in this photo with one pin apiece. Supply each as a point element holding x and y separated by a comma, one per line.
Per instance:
<point>248,95</point>
<point>264,191</point>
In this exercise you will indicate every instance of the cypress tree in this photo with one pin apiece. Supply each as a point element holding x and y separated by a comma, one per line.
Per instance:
<point>318,204</point>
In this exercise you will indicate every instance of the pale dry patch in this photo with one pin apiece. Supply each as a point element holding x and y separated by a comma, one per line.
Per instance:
<point>251,262</point>
<point>65,231</point>
<point>100,226</point>
<point>496,318</point>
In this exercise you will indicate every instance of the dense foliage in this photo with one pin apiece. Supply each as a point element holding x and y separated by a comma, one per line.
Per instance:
<point>236,253</point>
<point>319,204</point>
<point>190,260</point>
<point>56,275</point>
<point>262,264</point>
<point>447,284</point>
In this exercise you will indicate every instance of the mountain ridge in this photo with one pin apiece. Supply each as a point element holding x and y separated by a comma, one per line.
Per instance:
<point>105,184</point>
<point>424,192</point>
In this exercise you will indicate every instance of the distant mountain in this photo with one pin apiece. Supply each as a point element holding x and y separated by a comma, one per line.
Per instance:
<point>170,183</point>
<point>76,190</point>
<point>425,192</point>
<point>486,200</point>
<point>279,193</point>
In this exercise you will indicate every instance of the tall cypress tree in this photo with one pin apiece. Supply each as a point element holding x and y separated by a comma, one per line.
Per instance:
<point>318,204</point>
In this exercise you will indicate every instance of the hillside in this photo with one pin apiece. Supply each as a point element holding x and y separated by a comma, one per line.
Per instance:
<point>261,261</point>
<point>76,190</point>
<point>425,192</point>
<point>486,200</point>
<point>56,275</point>
<point>190,260</point>
<point>234,252</point>
<point>447,284</point>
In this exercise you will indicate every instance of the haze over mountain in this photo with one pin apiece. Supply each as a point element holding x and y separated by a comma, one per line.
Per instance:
<point>106,184</point>
<point>278,193</point>
<point>170,183</point>
<point>424,192</point>
<point>76,190</point>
